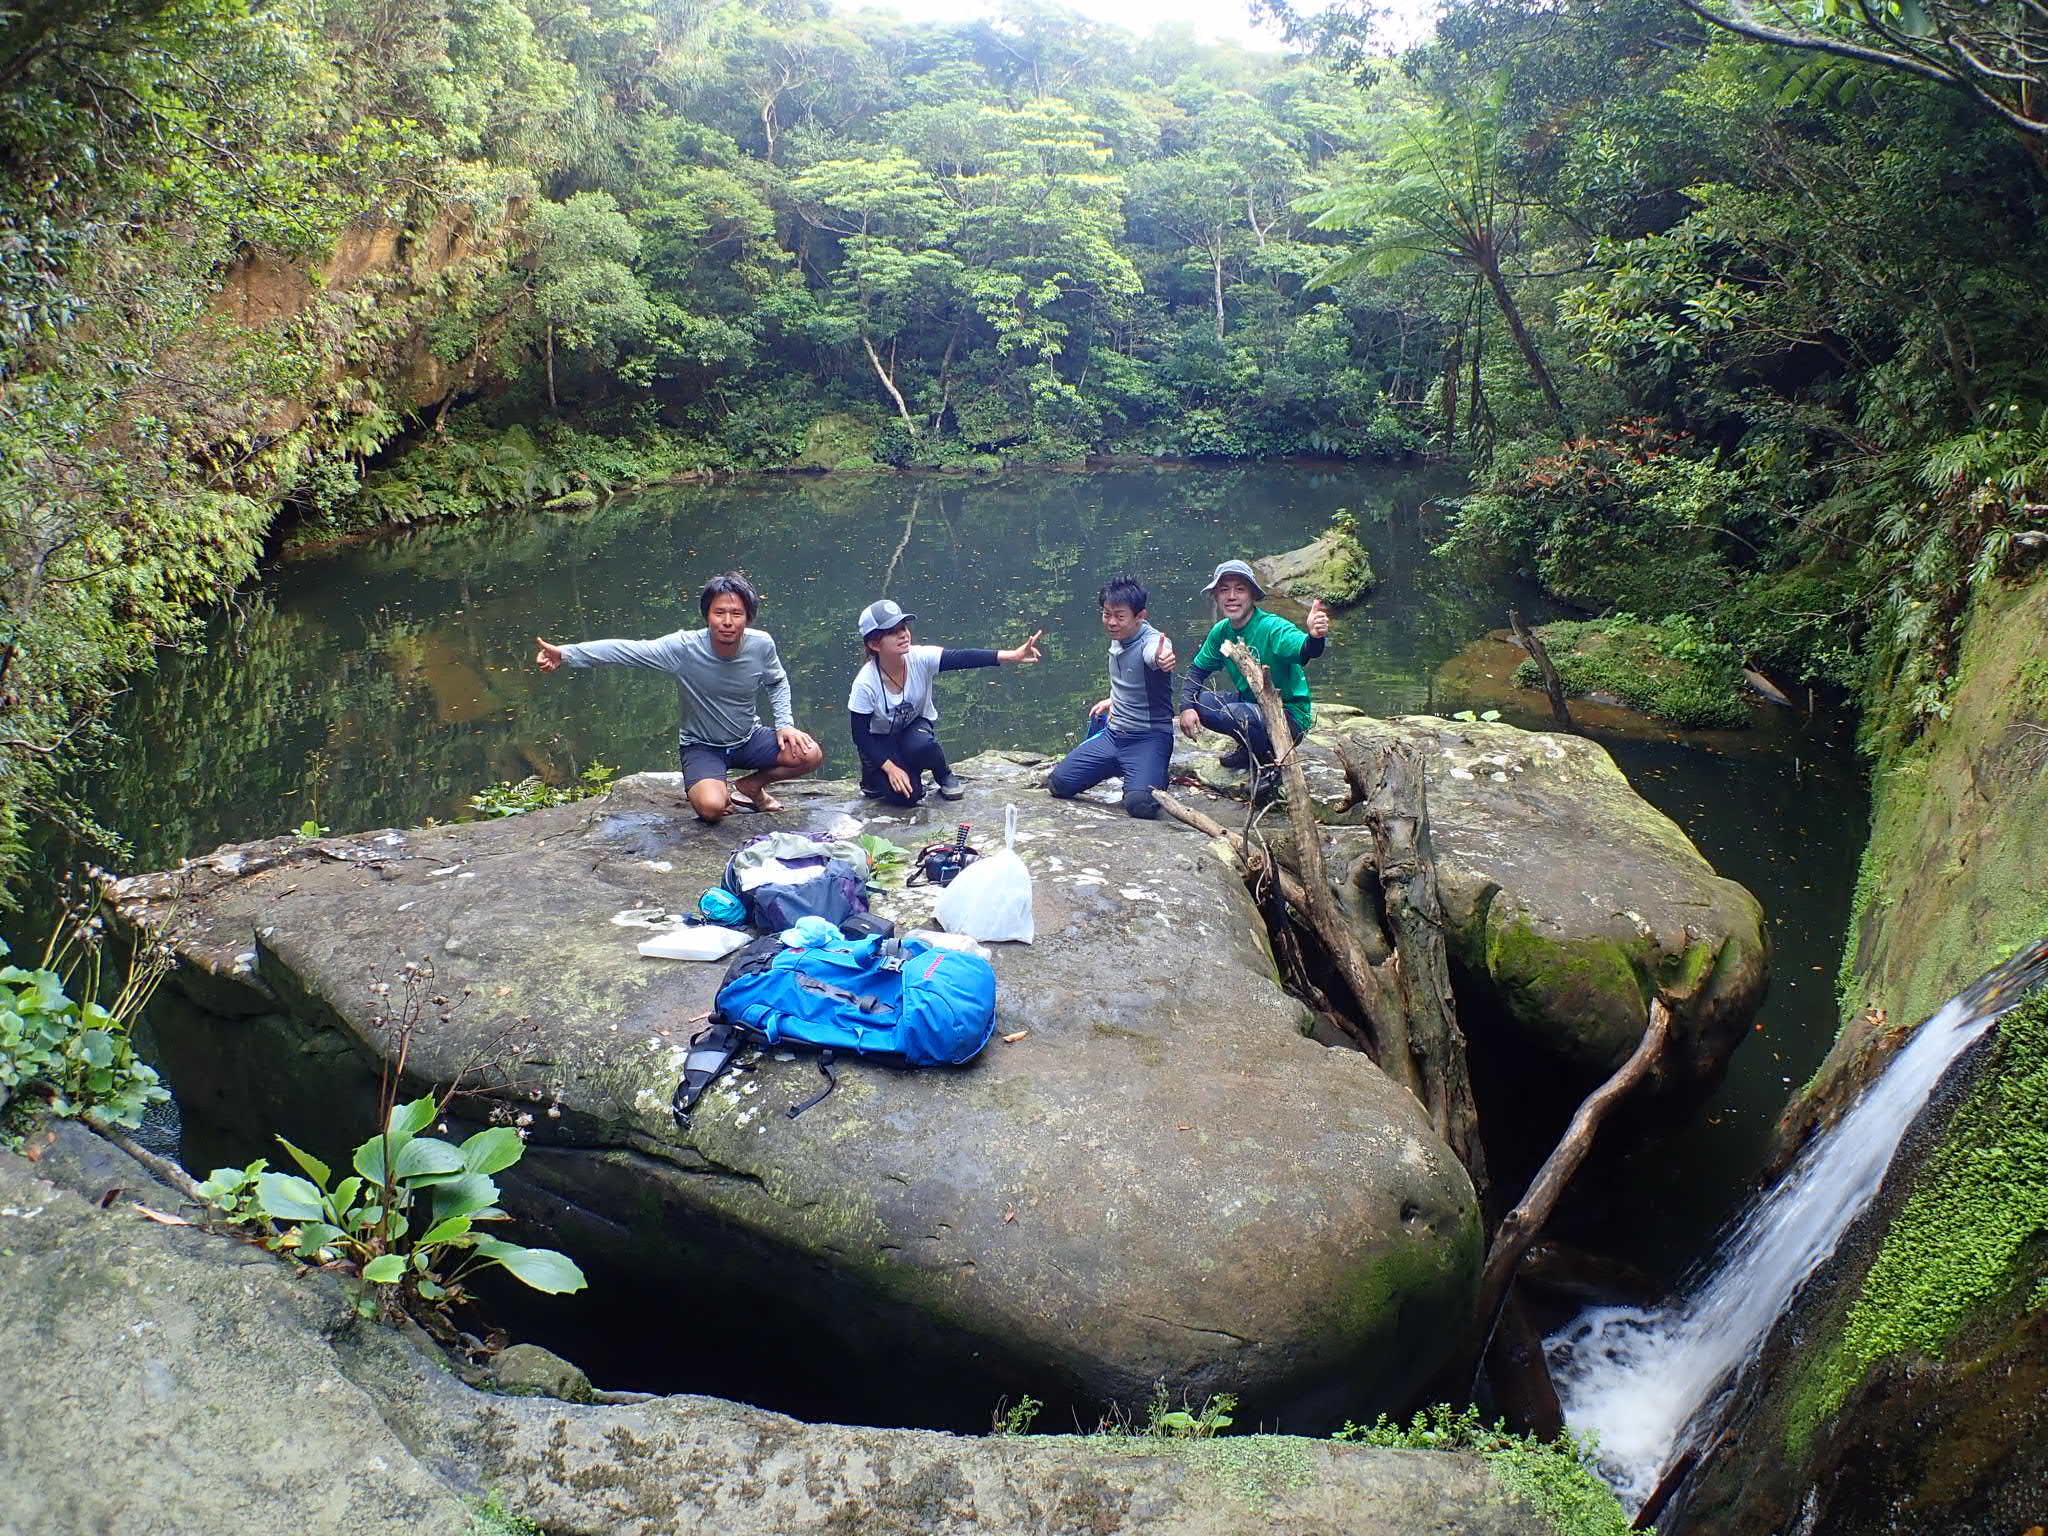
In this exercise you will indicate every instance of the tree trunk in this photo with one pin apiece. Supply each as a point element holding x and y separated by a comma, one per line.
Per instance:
<point>1453,359</point>
<point>890,385</point>
<point>1380,1002</point>
<point>1552,683</point>
<point>1216,266</point>
<point>551,365</point>
<point>1489,266</point>
<point>1398,813</point>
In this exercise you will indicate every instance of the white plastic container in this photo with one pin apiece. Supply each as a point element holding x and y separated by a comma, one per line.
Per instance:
<point>703,941</point>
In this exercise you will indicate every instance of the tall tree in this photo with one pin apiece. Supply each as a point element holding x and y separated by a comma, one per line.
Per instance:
<point>1444,189</point>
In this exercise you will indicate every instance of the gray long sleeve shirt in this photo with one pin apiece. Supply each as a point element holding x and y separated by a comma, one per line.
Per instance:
<point>717,695</point>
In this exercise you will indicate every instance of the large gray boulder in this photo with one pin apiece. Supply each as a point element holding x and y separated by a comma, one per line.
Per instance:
<point>1568,896</point>
<point>1161,1178</point>
<point>164,1381</point>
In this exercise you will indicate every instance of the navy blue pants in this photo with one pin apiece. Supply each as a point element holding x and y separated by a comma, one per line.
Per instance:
<point>1139,758</point>
<point>1241,720</point>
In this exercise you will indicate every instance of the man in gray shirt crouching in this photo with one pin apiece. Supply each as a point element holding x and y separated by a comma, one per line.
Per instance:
<point>719,671</point>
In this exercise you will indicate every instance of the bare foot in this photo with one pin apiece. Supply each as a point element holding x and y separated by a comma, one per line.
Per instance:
<point>752,792</point>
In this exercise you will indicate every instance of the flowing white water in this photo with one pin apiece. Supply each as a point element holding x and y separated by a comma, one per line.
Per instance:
<point>1644,1382</point>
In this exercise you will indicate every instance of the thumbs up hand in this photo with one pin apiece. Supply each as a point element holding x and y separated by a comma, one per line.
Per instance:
<point>1318,621</point>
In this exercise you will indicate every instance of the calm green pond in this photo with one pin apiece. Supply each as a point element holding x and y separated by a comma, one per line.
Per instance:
<point>384,683</point>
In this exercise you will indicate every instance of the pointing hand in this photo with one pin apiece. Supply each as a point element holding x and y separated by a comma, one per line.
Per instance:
<point>1025,653</point>
<point>549,656</point>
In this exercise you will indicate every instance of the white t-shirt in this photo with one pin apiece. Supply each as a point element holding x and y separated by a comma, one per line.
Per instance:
<point>871,694</point>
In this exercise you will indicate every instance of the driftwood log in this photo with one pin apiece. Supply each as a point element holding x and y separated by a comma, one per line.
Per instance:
<point>1552,683</point>
<point>1412,1014</point>
<point>1376,994</point>
<point>1397,810</point>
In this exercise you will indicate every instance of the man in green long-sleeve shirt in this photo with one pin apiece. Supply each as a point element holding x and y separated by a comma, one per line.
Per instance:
<point>1280,646</point>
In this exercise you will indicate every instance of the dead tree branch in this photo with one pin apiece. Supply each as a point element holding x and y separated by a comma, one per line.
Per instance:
<point>1552,683</point>
<point>1420,971</point>
<point>1521,1225</point>
<point>1257,866</point>
<point>1376,996</point>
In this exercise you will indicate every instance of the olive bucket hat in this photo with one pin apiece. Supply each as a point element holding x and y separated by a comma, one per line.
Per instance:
<point>1235,568</point>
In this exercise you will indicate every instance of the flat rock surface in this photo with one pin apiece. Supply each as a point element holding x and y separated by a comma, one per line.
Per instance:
<point>164,1381</point>
<point>1161,1179</point>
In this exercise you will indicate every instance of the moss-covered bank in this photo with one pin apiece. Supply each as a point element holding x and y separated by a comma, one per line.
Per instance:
<point>1908,1386</point>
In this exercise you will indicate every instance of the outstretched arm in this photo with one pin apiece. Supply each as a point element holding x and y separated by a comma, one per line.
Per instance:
<point>1025,653</point>
<point>663,655</point>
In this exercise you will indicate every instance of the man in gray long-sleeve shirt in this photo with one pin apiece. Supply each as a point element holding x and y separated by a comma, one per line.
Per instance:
<point>719,671</point>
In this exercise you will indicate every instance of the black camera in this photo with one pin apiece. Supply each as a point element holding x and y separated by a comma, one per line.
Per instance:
<point>939,863</point>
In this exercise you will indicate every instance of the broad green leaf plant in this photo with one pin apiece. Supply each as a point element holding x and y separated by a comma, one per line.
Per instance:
<point>406,1218</point>
<point>64,1041</point>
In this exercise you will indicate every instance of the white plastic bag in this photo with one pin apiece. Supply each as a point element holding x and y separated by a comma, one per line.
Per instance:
<point>991,898</point>
<point>699,941</point>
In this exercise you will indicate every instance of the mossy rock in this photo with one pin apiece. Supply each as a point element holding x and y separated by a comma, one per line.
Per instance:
<point>1104,1201</point>
<point>1664,669</point>
<point>837,439</point>
<point>1907,1385</point>
<point>573,501</point>
<point>1335,568</point>
<point>1569,899</point>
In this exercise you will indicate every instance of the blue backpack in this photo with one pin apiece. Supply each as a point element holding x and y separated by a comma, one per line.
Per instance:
<point>902,1003</point>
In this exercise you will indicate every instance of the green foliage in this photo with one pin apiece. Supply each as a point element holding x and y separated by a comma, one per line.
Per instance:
<point>63,1056</point>
<point>1960,1244</point>
<point>887,863</point>
<point>490,1517</point>
<point>1015,1418</point>
<point>406,1217</point>
<point>1672,668</point>
<point>65,1026</point>
<point>1630,521</point>
<point>1559,1478</point>
<point>1163,1421</point>
<point>532,794</point>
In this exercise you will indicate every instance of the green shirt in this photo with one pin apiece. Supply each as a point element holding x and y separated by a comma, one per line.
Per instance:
<point>1282,647</point>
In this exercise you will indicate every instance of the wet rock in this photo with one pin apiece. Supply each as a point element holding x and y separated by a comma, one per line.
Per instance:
<point>163,1379</point>
<point>531,1370</point>
<point>1160,1179</point>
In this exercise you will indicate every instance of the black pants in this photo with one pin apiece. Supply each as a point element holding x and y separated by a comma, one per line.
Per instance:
<point>916,750</point>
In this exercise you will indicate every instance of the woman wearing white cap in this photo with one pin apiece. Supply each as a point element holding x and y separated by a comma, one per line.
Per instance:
<point>891,711</point>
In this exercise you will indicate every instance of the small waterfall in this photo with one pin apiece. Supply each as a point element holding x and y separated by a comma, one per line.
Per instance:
<point>1647,1382</point>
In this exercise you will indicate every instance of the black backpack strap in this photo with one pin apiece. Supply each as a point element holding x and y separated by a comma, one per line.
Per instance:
<point>839,994</point>
<point>711,1051</point>
<point>831,1082</point>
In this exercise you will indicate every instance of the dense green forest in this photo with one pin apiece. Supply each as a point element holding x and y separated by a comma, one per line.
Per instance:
<point>1735,312</point>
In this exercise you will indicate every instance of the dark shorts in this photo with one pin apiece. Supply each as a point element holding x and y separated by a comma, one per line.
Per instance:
<point>760,750</point>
